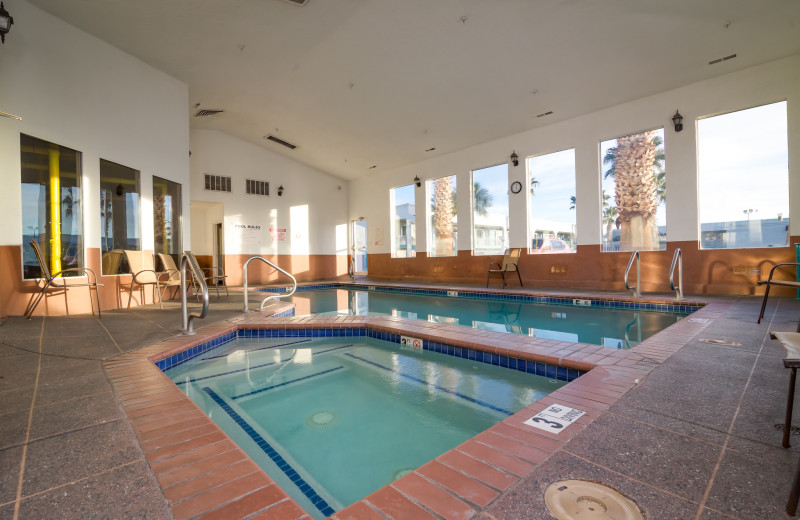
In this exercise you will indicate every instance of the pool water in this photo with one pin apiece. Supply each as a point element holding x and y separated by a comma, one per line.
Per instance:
<point>614,328</point>
<point>332,420</point>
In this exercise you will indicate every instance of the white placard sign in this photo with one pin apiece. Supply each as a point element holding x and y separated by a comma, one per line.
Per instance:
<point>555,418</point>
<point>413,343</point>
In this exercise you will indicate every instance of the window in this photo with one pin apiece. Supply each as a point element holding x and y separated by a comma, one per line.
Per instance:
<point>490,210</point>
<point>442,211</point>
<point>403,222</point>
<point>51,206</point>
<point>167,216</point>
<point>744,178</point>
<point>633,195</point>
<point>119,213</point>
<point>552,202</point>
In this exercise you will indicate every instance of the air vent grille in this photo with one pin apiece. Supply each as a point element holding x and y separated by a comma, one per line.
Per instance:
<point>280,141</point>
<point>718,60</point>
<point>205,112</point>
<point>257,187</point>
<point>297,2</point>
<point>218,183</point>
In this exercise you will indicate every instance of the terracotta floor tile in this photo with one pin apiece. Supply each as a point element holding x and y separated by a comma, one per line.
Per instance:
<point>396,506</point>
<point>185,446</point>
<point>467,488</point>
<point>212,499</point>
<point>433,497</point>
<point>518,449</point>
<point>199,454</point>
<point>247,505</point>
<point>200,467</point>
<point>189,488</point>
<point>286,510</point>
<point>357,511</point>
<point>496,458</point>
<point>477,469</point>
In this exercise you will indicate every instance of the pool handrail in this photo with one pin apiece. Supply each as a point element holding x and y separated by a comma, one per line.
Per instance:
<point>272,297</point>
<point>637,289</point>
<point>187,258</point>
<point>677,259</point>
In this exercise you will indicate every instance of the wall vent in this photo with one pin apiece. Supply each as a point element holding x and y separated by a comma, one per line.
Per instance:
<point>544,114</point>
<point>205,112</point>
<point>726,58</point>
<point>218,183</point>
<point>257,187</point>
<point>280,141</point>
<point>297,2</point>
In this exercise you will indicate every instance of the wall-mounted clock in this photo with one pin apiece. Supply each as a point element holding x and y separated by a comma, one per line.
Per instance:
<point>516,187</point>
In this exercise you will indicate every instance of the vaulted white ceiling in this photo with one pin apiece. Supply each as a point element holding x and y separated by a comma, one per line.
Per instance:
<point>362,83</point>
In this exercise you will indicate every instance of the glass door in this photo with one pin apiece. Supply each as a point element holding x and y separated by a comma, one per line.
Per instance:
<point>358,264</point>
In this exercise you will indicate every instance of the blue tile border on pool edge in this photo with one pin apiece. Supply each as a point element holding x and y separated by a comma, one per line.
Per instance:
<point>530,367</point>
<point>481,295</point>
<point>279,461</point>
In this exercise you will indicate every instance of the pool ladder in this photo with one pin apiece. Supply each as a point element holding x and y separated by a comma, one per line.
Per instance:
<point>677,261</point>
<point>274,296</point>
<point>188,259</point>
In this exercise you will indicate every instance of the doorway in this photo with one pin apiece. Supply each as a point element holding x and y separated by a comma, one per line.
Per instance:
<point>358,265</point>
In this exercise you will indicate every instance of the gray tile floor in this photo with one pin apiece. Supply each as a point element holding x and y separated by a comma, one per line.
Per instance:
<point>696,439</point>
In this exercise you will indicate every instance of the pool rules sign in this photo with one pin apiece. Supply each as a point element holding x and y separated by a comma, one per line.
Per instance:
<point>555,418</point>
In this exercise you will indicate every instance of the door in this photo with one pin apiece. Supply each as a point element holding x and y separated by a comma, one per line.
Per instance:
<point>358,264</point>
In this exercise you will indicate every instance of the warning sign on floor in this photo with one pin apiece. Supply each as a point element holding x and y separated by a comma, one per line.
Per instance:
<point>555,418</point>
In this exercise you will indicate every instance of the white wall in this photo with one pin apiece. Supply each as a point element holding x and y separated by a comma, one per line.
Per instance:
<point>76,91</point>
<point>312,210</point>
<point>766,83</point>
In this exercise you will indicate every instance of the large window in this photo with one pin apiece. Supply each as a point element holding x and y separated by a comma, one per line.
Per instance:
<point>51,206</point>
<point>404,229</point>
<point>634,193</point>
<point>744,178</point>
<point>552,202</point>
<point>167,216</point>
<point>490,209</point>
<point>119,213</point>
<point>442,211</point>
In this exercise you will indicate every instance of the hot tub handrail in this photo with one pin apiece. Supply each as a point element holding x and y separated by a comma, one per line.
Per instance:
<point>274,296</point>
<point>636,288</point>
<point>187,258</point>
<point>677,259</point>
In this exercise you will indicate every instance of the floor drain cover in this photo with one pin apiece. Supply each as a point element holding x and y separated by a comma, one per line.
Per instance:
<point>322,420</point>
<point>582,500</point>
<point>723,342</point>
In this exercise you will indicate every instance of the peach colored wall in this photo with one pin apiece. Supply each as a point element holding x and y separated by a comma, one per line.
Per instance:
<point>720,271</point>
<point>305,268</point>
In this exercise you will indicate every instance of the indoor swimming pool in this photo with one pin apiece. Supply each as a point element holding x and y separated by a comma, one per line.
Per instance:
<point>332,420</point>
<point>572,320</point>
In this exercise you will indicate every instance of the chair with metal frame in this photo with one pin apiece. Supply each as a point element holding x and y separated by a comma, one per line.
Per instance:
<point>143,272</point>
<point>173,275</point>
<point>510,265</point>
<point>52,281</point>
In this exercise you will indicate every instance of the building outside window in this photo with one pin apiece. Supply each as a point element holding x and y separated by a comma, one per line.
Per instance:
<point>744,178</point>
<point>552,202</point>
<point>633,202</point>
<point>51,206</point>
<point>490,210</point>
<point>404,229</point>
<point>442,210</point>
<point>167,216</point>
<point>119,213</point>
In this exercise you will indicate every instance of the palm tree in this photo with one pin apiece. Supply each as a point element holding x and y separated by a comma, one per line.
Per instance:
<point>635,164</point>
<point>534,183</point>
<point>482,199</point>
<point>573,202</point>
<point>610,215</point>
<point>443,211</point>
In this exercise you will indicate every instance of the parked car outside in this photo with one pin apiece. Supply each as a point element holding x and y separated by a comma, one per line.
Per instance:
<point>546,245</point>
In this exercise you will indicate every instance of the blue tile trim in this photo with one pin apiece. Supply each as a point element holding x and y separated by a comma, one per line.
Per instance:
<point>261,348</point>
<point>683,309</point>
<point>272,387</point>
<point>284,466</point>
<point>423,382</point>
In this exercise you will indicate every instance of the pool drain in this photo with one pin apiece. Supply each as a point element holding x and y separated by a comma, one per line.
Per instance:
<point>582,500</point>
<point>402,472</point>
<point>322,420</point>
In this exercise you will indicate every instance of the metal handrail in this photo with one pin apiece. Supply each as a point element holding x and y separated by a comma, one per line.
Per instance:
<point>274,296</point>
<point>187,258</point>
<point>677,258</point>
<point>636,290</point>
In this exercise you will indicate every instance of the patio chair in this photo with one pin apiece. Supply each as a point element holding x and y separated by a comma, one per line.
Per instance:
<point>111,260</point>
<point>214,275</point>
<point>173,275</point>
<point>52,281</point>
<point>510,265</point>
<point>143,272</point>
<point>770,282</point>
